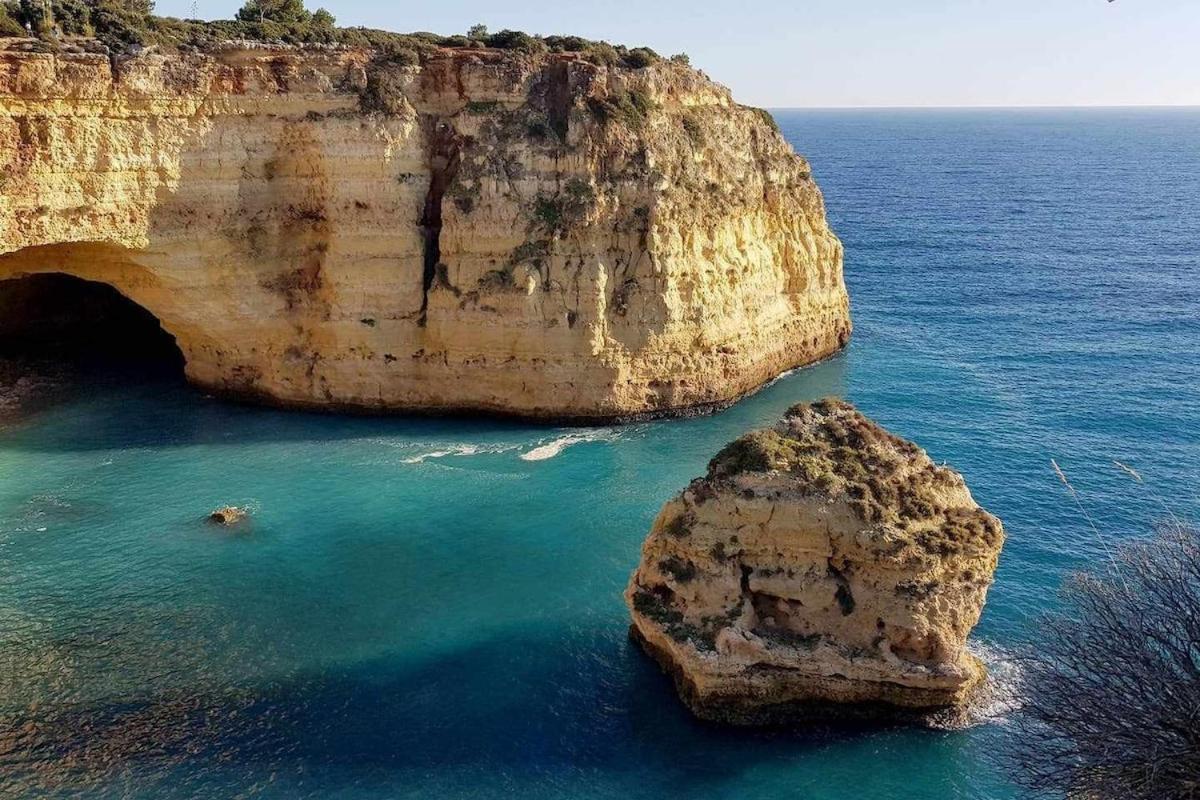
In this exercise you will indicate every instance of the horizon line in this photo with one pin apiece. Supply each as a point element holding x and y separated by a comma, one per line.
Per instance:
<point>985,107</point>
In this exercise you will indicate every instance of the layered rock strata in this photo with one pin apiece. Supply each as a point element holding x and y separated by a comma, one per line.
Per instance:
<point>822,568</point>
<point>484,231</point>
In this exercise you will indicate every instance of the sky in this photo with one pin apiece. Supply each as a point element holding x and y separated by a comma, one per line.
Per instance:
<point>858,53</point>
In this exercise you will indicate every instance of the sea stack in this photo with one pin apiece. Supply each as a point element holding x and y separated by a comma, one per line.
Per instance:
<point>456,230</point>
<point>822,569</point>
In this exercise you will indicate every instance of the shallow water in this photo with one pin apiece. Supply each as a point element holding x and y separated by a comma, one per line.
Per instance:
<point>432,608</point>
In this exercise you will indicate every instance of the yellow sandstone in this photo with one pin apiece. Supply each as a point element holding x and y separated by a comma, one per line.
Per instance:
<point>486,232</point>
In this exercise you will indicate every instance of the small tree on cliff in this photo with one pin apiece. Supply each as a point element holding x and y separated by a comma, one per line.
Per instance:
<point>118,24</point>
<point>322,19</point>
<point>1111,694</point>
<point>283,12</point>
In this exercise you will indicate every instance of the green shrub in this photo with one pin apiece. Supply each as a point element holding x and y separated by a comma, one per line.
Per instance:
<point>680,526</point>
<point>641,57</point>
<point>10,15</point>
<point>385,88</point>
<point>559,213</point>
<point>322,27</point>
<point>630,106</point>
<point>548,213</point>
<point>766,117</point>
<point>398,54</point>
<point>568,44</point>
<point>384,42</point>
<point>284,12</point>
<point>120,24</point>
<point>73,17</point>
<point>516,40</point>
<point>682,571</point>
<point>603,54</point>
<point>757,451</point>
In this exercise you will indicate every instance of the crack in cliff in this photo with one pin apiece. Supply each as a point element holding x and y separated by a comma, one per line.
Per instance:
<point>445,155</point>
<point>559,100</point>
<point>843,596</point>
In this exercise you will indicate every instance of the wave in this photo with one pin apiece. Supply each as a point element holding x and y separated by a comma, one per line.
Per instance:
<point>1001,694</point>
<point>995,700</point>
<point>553,447</point>
<point>458,450</point>
<point>536,450</point>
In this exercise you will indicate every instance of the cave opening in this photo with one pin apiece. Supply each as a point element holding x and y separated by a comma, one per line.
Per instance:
<point>82,328</point>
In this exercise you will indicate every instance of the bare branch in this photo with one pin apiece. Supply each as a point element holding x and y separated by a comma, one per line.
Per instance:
<point>1111,694</point>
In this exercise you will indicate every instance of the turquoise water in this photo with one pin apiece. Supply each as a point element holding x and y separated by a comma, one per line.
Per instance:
<point>425,608</point>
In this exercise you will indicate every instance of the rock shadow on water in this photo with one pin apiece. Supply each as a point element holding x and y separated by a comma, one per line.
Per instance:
<point>172,415</point>
<point>115,414</point>
<point>508,705</point>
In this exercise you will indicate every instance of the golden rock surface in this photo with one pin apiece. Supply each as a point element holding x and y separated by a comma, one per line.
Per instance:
<point>822,568</point>
<point>485,232</point>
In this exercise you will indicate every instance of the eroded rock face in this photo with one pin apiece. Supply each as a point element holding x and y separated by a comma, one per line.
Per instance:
<point>486,231</point>
<point>822,568</point>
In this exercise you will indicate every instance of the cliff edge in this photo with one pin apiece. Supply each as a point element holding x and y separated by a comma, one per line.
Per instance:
<point>823,568</point>
<point>481,231</point>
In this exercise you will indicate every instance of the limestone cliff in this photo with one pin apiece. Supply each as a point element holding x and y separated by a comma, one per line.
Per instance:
<point>482,231</point>
<point>824,567</point>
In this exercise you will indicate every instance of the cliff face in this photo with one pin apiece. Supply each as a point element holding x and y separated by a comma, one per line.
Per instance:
<point>486,231</point>
<point>822,568</point>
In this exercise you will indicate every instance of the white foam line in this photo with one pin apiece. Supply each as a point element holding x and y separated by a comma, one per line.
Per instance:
<point>454,450</point>
<point>443,450</point>
<point>555,446</point>
<point>539,450</point>
<point>1000,695</point>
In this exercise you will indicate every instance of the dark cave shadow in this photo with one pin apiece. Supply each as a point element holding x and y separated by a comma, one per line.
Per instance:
<point>506,704</point>
<point>102,414</point>
<point>124,410</point>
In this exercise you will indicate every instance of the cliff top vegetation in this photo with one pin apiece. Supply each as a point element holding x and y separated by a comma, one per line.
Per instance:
<point>830,448</point>
<point>121,26</point>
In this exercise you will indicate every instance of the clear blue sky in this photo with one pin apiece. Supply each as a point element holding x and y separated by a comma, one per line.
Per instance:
<point>860,52</point>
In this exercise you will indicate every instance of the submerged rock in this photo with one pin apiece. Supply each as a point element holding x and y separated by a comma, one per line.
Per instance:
<point>824,568</point>
<point>228,516</point>
<point>28,386</point>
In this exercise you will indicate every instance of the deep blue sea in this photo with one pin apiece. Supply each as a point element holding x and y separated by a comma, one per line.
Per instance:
<point>427,608</point>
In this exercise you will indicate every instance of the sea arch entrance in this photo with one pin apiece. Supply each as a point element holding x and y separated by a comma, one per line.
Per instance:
<point>78,304</point>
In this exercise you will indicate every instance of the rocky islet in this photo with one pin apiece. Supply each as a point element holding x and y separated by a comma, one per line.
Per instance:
<point>823,568</point>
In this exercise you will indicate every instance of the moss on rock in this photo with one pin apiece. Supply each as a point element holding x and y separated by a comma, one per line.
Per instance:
<point>831,448</point>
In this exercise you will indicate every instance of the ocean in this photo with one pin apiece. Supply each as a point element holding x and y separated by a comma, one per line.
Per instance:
<point>432,608</point>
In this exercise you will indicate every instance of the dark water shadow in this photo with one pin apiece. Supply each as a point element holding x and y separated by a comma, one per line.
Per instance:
<point>115,412</point>
<point>520,704</point>
<point>103,415</point>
